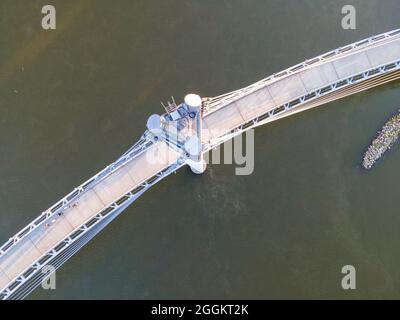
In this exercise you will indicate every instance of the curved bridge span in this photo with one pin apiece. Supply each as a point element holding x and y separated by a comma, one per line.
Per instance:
<point>328,77</point>
<point>169,144</point>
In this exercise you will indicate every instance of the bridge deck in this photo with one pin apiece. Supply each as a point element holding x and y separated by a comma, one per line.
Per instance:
<point>280,91</point>
<point>221,115</point>
<point>124,179</point>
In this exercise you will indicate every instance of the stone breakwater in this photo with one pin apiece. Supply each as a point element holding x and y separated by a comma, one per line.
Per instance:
<point>387,136</point>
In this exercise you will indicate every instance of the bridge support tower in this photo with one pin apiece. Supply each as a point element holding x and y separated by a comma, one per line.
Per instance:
<point>193,145</point>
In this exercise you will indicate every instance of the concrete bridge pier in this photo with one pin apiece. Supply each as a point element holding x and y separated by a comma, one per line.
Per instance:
<point>193,145</point>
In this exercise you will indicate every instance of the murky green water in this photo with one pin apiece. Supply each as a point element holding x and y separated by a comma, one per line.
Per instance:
<point>72,100</point>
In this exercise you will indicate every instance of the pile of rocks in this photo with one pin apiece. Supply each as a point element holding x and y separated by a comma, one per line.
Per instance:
<point>384,141</point>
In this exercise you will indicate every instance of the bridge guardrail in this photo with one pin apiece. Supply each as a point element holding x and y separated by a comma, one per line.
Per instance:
<point>214,103</point>
<point>366,75</point>
<point>83,229</point>
<point>132,152</point>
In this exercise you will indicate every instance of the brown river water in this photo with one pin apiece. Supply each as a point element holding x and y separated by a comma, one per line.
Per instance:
<point>75,98</point>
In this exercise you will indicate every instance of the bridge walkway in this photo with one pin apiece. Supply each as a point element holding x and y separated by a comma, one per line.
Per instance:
<point>57,227</point>
<point>224,114</point>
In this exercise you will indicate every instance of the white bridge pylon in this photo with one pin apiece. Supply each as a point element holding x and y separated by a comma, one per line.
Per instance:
<point>181,137</point>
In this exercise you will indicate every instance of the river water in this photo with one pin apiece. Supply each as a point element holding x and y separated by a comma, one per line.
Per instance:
<point>75,98</point>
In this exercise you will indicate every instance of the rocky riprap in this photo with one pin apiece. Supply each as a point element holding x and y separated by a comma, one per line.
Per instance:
<point>388,135</point>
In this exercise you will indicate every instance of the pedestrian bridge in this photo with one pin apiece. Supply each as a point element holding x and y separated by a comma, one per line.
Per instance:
<point>169,144</point>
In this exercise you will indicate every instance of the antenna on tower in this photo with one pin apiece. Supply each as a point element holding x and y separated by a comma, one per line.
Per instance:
<point>170,107</point>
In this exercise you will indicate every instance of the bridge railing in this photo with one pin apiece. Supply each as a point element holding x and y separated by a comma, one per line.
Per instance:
<point>391,68</point>
<point>56,256</point>
<point>134,151</point>
<point>214,103</point>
